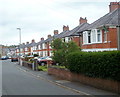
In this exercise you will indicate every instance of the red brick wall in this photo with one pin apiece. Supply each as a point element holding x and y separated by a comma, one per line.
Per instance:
<point>113,37</point>
<point>114,5</point>
<point>110,85</point>
<point>111,41</point>
<point>76,40</point>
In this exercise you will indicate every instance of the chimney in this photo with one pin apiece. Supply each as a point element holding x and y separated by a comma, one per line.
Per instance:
<point>65,28</point>
<point>23,43</point>
<point>49,36</point>
<point>27,42</point>
<point>32,41</point>
<point>55,32</point>
<point>42,38</point>
<point>113,6</point>
<point>82,20</point>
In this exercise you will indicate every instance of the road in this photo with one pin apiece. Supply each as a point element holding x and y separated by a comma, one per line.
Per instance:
<point>19,81</point>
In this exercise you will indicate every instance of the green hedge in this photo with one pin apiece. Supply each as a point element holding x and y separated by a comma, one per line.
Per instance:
<point>96,64</point>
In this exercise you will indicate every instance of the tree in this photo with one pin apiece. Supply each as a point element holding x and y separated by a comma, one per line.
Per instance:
<point>62,49</point>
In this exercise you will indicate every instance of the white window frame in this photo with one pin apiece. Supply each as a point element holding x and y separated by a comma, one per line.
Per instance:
<point>90,37</point>
<point>105,32</point>
<point>100,36</point>
<point>85,37</point>
<point>93,33</point>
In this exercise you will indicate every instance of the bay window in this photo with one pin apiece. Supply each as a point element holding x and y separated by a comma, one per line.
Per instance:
<point>92,36</point>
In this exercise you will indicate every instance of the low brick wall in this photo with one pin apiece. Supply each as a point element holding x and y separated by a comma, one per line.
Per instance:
<point>110,85</point>
<point>27,64</point>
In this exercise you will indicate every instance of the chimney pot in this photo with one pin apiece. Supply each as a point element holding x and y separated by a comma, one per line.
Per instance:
<point>65,28</point>
<point>33,41</point>
<point>55,32</point>
<point>113,6</point>
<point>49,36</point>
<point>82,20</point>
<point>42,38</point>
<point>23,43</point>
<point>27,42</point>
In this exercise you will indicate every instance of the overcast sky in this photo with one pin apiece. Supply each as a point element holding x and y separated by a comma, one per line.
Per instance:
<point>38,18</point>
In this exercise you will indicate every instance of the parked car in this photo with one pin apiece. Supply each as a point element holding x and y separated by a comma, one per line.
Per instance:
<point>43,60</point>
<point>14,59</point>
<point>4,58</point>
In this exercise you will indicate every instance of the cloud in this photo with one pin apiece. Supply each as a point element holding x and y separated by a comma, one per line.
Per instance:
<point>38,18</point>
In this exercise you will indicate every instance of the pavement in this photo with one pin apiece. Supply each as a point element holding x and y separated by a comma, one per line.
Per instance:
<point>74,86</point>
<point>51,85</point>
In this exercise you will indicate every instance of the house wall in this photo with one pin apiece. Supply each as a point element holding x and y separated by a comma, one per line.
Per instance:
<point>110,44</point>
<point>76,40</point>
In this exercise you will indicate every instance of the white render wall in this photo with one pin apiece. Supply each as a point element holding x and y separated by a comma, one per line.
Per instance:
<point>96,50</point>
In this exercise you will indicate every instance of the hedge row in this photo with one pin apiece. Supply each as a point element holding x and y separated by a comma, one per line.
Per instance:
<point>96,64</point>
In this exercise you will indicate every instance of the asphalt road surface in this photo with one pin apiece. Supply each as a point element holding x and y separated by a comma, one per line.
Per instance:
<point>18,82</point>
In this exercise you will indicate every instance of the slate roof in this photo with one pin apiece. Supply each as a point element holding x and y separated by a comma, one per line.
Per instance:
<point>31,44</point>
<point>40,42</point>
<point>112,18</point>
<point>62,34</point>
<point>74,31</point>
<point>48,39</point>
<point>22,46</point>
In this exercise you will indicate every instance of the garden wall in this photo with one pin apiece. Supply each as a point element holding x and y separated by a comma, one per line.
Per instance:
<point>110,85</point>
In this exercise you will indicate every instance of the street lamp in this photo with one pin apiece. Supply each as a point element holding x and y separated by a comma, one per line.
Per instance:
<point>20,42</point>
<point>19,34</point>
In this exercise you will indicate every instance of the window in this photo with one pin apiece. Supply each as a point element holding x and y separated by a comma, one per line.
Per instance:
<point>89,37</point>
<point>26,49</point>
<point>105,36</point>
<point>93,36</point>
<point>98,36</point>
<point>85,37</point>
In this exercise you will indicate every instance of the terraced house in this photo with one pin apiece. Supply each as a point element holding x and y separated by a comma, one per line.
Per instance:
<point>101,35</point>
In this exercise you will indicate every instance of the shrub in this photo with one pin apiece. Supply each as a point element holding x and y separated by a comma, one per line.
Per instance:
<point>96,64</point>
<point>61,49</point>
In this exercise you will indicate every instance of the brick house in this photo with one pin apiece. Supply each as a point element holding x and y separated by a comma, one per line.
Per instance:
<point>38,47</point>
<point>72,35</point>
<point>47,49</point>
<point>103,34</point>
<point>30,47</point>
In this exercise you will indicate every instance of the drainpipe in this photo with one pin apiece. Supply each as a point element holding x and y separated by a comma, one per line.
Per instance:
<point>118,36</point>
<point>80,34</point>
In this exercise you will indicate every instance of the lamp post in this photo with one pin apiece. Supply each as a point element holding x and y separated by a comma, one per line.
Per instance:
<point>19,34</point>
<point>19,42</point>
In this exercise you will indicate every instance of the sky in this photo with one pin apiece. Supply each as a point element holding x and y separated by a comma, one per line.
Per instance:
<point>39,18</point>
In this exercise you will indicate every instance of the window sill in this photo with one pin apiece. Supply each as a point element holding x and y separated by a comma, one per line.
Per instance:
<point>105,42</point>
<point>92,43</point>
